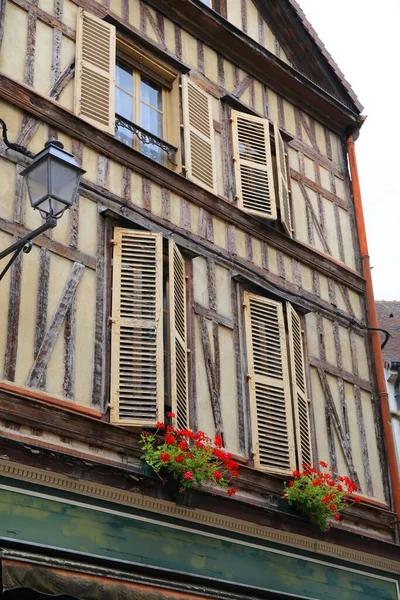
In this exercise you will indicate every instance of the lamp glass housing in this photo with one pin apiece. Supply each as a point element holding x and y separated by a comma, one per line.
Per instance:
<point>53,180</point>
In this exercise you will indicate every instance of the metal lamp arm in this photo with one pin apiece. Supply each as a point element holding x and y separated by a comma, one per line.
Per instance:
<point>17,247</point>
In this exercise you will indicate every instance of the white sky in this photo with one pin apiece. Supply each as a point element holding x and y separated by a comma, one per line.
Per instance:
<point>363,39</point>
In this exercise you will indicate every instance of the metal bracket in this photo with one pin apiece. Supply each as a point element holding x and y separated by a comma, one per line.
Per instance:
<point>146,137</point>
<point>13,146</point>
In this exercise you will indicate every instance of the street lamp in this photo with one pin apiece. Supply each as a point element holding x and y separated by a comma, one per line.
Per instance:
<point>52,180</point>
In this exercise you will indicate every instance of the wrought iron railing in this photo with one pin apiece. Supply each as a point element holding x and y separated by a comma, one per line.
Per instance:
<point>146,137</point>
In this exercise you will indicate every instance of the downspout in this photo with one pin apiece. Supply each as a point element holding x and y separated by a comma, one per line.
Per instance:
<point>373,322</point>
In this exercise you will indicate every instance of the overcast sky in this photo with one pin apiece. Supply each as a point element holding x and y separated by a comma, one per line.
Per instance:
<point>364,39</point>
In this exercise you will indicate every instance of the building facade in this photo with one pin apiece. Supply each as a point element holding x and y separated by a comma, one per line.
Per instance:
<point>211,267</point>
<point>389,320</point>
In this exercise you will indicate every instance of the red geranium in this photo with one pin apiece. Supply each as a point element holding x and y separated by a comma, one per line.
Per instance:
<point>193,458</point>
<point>318,494</point>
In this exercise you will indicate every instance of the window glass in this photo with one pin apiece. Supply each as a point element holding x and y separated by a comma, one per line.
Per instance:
<point>124,104</point>
<point>124,78</point>
<point>151,93</point>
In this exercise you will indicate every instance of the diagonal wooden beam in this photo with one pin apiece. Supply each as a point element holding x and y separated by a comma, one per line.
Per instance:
<point>314,218</point>
<point>49,339</point>
<point>343,437</point>
<point>212,370</point>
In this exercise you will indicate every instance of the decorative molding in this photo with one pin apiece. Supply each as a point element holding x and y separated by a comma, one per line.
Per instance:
<point>131,499</point>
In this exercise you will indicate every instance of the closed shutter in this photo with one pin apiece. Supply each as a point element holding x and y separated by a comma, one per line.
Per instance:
<point>253,165</point>
<point>95,71</point>
<point>283,187</point>
<point>199,135</point>
<point>298,376</point>
<point>137,395</point>
<point>178,336</point>
<point>269,387</point>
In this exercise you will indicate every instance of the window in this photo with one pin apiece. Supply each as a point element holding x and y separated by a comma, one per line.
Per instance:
<point>140,101</point>
<point>260,169</point>
<point>148,332</point>
<point>279,408</point>
<point>127,96</point>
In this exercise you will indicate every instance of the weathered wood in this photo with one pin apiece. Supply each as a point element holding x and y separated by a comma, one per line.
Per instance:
<point>41,306</point>
<point>126,184</point>
<point>240,366</point>
<point>206,225</point>
<point>315,219</point>
<point>281,113</point>
<point>125,10</point>
<point>221,71</point>
<point>186,221</point>
<point>332,292</point>
<point>146,194</point>
<point>353,352</point>
<point>231,239</point>
<point>73,234</point>
<point>249,248</point>
<point>264,256</point>
<point>211,285</point>
<point>309,128</point>
<point>30,46</point>
<point>43,355</point>
<point>343,437</point>
<point>226,149</point>
<point>265,96</point>
<point>31,125</point>
<point>321,337</point>
<point>98,381</point>
<point>364,443</point>
<point>281,265</point>
<point>165,204</point>
<point>346,297</point>
<point>44,17</point>
<point>343,373</point>
<point>243,10</point>
<point>316,288</point>
<point>260,28</point>
<point>212,315</point>
<point>157,24</point>
<point>57,39</point>
<point>14,305</point>
<point>307,371</point>
<point>296,269</point>
<point>54,114</point>
<point>339,235</point>
<point>328,143</point>
<point>19,196</point>
<point>3,4</point>
<point>68,386</point>
<point>178,42</point>
<point>312,154</point>
<point>200,57</point>
<point>213,378</point>
<point>242,86</point>
<point>336,339</point>
<point>44,242</point>
<point>102,171</point>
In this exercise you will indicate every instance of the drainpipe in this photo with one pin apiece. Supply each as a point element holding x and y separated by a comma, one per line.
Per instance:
<point>373,322</point>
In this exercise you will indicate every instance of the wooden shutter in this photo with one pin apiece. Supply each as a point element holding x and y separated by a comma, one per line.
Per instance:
<point>178,336</point>
<point>298,377</point>
<point>253,165</point>
<point>283,187</point>
<point>199,135</point>
<point>95,71</point>
<point>137,394</point>
<point>269,386</point>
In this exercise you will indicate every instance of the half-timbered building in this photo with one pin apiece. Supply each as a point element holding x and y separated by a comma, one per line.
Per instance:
<point>214,265</point>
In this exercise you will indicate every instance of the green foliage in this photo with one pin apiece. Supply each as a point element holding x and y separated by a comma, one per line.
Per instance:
<point>320,496</point>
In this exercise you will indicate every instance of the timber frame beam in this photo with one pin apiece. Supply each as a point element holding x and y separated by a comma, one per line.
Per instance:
<point>50,112</point>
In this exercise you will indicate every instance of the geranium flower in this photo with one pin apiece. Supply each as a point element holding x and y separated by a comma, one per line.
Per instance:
<point>218,441</point>
<point>160,425</point>
<point>217,475</point>
<point>180,458</point>
<point>171,415</point>
<point>232,491</point>
<point>188,475</point>
<point>296,473</point>
<point>323,464</point>
<point>169,438</point>
<point>165,457</point>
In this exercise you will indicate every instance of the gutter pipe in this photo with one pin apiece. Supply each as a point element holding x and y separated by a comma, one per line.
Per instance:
<point>373,322</point>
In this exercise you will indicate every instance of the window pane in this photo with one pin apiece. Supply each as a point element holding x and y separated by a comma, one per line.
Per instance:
<point>123,104</point>
<point>151,120</point>
<point>151,93</point>
<point>124,78</point>
<point>206,2</point>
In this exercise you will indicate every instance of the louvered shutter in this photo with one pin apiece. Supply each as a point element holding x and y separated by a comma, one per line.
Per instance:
<point>199,135</point>
<point>283,187</point>
<point>298,377</point>
<point>95,71</point>
<point>178,336</point>
<point>253,165</point>
<point>269,387</point>
<point>137,394</point>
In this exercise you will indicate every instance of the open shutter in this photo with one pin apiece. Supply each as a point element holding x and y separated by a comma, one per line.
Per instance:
<point>298,376</point>
<point>283,187</point>
<point>253,165</point>
<point>95,71</point>
<point>199,135</point>
<point>178,336</point>
<point>137,394</point>
<point>269,387</point>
